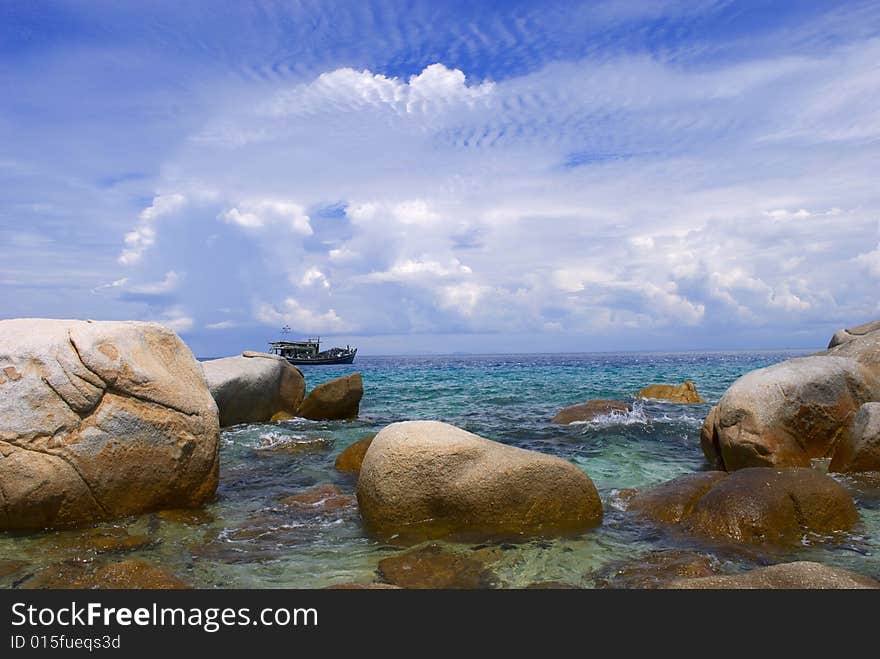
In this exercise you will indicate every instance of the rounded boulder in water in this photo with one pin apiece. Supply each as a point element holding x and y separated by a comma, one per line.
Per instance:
<point>426,479</point>
<point>100,420</point>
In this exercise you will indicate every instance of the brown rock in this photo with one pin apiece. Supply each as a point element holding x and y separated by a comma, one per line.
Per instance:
<point>188,516</point>
<point>100,420</point>
<point>294,445</point>
<point>349,461</point>
<point>655,570</point>
<point>114,539</point>
<point>672,501</point>
<point>778,506</point>
<point>787,414</point>
<point>10,567</point>
<point>590,410</point>
<point>425,479</point>
<point>432,566</point>
<point>255,387</point>
<point>128,574</point>
<point>859,448</point>
<point>682,393</point>
<point>138,575</point>
<point>337,399</point>
<point>325,497</point>
<point>801,575</point>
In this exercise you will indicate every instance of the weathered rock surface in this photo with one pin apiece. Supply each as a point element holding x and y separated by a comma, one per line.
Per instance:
<point>113,539</point>
<point>863,348</point>
<point>787,414</point>
<point>128,574</point>
<point>757,505</point>
<point>846,335</point>
<point>655,570</point>
<point>255,387</point>
<point>859,449</point>
<point>672,501</point>
<point>337,399</point>
<point>681,393</point>
<point>98,420</point>
<point>800,575</point>
<point>590,410</point>
<point>325,497</point>
<point>9,567</point>
<point>432,566</point>
<point>350,460</point>
<point>425,479</point>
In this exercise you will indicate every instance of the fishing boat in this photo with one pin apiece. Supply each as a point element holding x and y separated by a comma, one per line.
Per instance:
<point>309,351</point>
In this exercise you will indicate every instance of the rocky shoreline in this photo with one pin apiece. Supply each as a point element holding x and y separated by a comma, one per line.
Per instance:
<point>102,420</point>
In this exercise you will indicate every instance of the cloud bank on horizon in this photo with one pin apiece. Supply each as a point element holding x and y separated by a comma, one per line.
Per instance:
<point>528,176</point>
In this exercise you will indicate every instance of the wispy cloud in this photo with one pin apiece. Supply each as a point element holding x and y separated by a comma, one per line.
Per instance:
<point>681,173</point>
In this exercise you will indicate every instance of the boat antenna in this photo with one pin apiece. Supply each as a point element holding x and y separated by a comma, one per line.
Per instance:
<point>285,329</point>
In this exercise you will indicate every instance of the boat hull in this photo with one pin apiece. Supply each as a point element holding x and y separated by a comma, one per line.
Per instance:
<point>323,361</point>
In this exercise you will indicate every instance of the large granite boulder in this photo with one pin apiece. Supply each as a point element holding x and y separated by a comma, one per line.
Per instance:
<point>859,449</point>
<point>798,575</point>
<point>254,387</point>
<point>686,392</point>
<point>863,347</point>
<point>590,410</point>
<point>99,420</point>
<point>787,414</point>
<point>337,399</point>
<point>760,505</point>
<point>426,479</point>
<point>846,335</point>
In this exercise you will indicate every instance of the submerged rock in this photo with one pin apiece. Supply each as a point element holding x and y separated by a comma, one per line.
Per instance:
<point>433,566</point>
<point>113,539</point>
<point>757,505</point>
<point>337,399</point>
<point>590,410</point>
<point>293,444</point>
<point>128,574</point>
<point>100,420</point>
<point>10,567</point>
<point>325,497</point>
<point>350,460</point>
<point>685,392</point>
<point>787,414</point>
<point>655,570</point>
<point>190,517</point>
<point>859,449</point>
<point>800,574</point>
<point>426,479</point>
<point>255,387</point>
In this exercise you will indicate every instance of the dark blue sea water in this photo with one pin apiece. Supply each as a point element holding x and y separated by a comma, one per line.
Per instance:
<point>250,540</point>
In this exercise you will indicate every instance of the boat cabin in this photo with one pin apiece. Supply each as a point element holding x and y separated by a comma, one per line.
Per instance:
<point>307,349</point>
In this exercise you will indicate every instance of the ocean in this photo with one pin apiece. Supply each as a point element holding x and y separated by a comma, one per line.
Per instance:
<point>246,539</point>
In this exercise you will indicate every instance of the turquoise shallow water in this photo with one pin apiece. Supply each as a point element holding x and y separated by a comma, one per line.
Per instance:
<point>253,541</point>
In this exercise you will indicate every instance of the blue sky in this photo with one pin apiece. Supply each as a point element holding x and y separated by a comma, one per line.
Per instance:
<point>444,176</point>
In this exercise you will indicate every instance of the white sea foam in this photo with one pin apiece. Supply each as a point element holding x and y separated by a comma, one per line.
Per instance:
<point>617,418</point>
